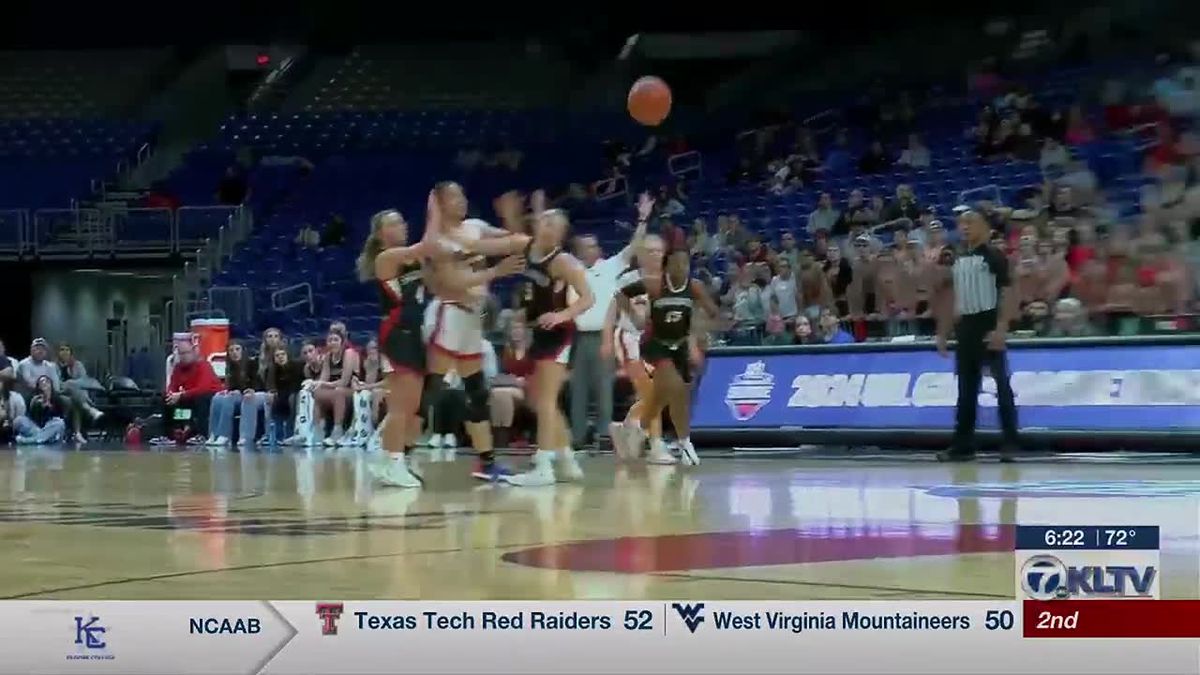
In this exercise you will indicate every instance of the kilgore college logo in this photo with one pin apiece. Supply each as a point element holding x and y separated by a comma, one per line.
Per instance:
<point>329,612</point>
<point>692,615</point>
<point>750,392</point>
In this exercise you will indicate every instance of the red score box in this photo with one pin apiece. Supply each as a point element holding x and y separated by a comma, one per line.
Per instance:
<point>1112,619</point>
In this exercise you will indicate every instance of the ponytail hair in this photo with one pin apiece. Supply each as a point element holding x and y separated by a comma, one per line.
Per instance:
<point>373,246</point>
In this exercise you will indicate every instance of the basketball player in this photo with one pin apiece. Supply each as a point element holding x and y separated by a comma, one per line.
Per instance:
<point>626,341</point>
<point>397,268</point>
<point>454,319</point>
<point>559,292</point>
<point>666,345</point>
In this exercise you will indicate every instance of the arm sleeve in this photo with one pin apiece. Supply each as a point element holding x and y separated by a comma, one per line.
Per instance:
<point>999,264</point>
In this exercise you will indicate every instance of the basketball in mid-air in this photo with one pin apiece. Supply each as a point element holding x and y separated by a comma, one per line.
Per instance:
<point>649,101</point>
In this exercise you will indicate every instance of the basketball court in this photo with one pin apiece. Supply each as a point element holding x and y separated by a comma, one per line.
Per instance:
<point>819,524</point>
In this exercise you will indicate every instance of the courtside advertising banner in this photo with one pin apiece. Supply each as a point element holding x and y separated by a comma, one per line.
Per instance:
<point>1101,388</point>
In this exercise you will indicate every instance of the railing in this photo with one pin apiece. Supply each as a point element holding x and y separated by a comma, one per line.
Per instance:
<point>686,165</point>
<point>822,122</point>
<point>74,232</point>
<point>194,224</point>
<point>143,154</point>
<point>14,231</point>
<point>291,297</point>
<point>235,302</point>
<point>141,230</point>
<point>610,188</point>
<point>985,193</point>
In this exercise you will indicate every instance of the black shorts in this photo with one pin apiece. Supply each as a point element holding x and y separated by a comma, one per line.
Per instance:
<point>402,346</point>
<point>552,345</point>
<point>655,352</point>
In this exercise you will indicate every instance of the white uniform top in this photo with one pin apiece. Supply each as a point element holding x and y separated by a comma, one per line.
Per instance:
<point>470,230</point>
<point>625,322</point>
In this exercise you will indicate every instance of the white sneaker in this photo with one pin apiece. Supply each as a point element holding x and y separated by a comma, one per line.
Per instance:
<point>688,452</point>
<point>635,440</point>
<point>95,413</point>
<point>219,441</point>
<point>616,432</point>
<point>435,441</point>
<point>542,473</point>
<point>348,441</point>
<point>332,441</point>
<point>660,455</point>
<point>425,441</point>
<point>450,441</point>
<point>569,466</point>
<point>396,474</point>
<point>211,440</point>
<point>79,438</point>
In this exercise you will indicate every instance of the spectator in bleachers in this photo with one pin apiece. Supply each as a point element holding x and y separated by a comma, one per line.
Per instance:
<point>802,333</point>
<point>34,366</point>
<point>332,391</point>
<point>43,422</point>
<point>12,408</point>
<point>916,155</point>
<point>782,291</point>
<point>8,367</point>
<point>1078,129</point>
<point>1054,156</point>
<point>904,206</point>
<point>507,396</point>
<point>875,159</point>
<point>1071,320</point>
<point>738,236</point>
<point>233,189</point>
<point>308,237</point>
<point>188,395</point>
<point>74,379</point>
<point>372,382</point>
<point>1025,145</point>
<point>1035,318</point>
<point>700,241</point>
<point>745,299</point>
<point>161,197</point>
<point>838,274</point>
<point>999,143</point>
<point>824,217</point>
<point>895,293</point>
<point>775,332</point>
<point>668,203</point>
<point>334,232</point>
<point>241,380</point>
<point>830,330</point>
<point>813,291</point>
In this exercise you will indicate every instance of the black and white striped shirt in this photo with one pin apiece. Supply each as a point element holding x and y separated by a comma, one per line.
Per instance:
<point>979,274</point>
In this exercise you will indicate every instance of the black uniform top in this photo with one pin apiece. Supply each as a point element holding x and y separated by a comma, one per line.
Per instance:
<point>670,310</point>
<point>979,274</point>
<point>405,293</point>
<point>544,294</point>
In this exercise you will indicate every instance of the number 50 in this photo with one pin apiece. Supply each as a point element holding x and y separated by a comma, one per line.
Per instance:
<point>998,620</point>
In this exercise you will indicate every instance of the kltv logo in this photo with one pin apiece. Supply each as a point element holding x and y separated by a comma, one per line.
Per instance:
<point>692,615</point>
<point>1045,577</point>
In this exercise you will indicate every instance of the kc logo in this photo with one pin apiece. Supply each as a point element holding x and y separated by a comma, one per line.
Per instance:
<point>329,612</point>
<point>692,615</point>
<point>89,633</point>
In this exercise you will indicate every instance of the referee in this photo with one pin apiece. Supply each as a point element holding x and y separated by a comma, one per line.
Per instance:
<point>983,299</point>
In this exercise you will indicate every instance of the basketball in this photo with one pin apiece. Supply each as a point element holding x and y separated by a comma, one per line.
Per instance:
<point>649,101</point>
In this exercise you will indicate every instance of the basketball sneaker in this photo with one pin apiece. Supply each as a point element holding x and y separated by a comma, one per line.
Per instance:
<point>492,473</point>
<point>569,465</point>
<point>659,453</point>
<point>616,431</point>
<point>541,475</point>
<point>688,452</point>
<point>396,474</point>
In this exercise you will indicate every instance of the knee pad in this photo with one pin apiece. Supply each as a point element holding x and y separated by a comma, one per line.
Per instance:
<point>477,398</point>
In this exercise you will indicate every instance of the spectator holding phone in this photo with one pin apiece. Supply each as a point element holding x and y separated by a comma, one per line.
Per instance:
<point>189,395</point>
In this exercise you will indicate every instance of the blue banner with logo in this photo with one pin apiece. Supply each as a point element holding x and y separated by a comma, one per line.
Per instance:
<point>1134,387</point>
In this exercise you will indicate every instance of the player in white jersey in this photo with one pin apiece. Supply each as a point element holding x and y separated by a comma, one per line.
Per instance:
<point>454,319</point>
<point>626,344</point>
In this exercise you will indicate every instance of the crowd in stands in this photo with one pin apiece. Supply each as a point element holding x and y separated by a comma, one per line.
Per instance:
<point>44,400</point>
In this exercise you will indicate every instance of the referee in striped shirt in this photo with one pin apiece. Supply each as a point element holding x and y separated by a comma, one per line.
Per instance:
<point>981,294</point>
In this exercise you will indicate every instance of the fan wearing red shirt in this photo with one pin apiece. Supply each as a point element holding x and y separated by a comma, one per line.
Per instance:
<point>189,393</point>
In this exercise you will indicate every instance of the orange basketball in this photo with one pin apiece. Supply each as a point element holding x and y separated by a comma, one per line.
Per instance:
<point>649,101</point>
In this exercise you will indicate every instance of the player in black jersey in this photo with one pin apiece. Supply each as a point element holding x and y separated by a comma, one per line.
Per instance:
<point>559,293</point>
<point>665,343</point>
<point>397,269</point>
